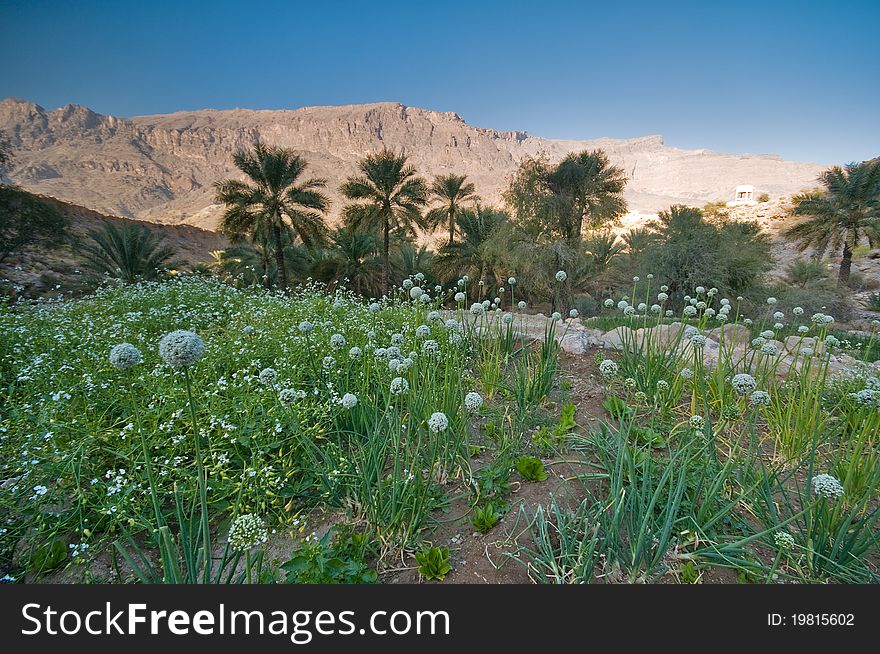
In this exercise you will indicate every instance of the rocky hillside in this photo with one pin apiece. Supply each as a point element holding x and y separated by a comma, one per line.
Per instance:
<point>161,168</point>
<point>37,271</point>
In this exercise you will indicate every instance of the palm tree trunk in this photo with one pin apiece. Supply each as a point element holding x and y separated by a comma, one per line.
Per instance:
<point>845,267</point>
<point>279,257</point>
<point>451,218</point>
<point>386,246</point>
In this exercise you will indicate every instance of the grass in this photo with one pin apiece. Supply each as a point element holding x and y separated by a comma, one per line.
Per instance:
<point>314,403</point>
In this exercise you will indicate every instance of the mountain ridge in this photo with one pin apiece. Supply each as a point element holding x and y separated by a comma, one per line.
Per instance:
<point>162,167</point>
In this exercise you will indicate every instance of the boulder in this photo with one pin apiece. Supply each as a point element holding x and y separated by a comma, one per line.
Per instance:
<point>733,333</point>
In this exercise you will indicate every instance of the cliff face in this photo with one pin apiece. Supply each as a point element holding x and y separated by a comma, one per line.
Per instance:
<point>162,168</point>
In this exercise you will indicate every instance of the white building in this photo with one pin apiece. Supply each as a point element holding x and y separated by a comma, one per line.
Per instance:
<point>744,196</point>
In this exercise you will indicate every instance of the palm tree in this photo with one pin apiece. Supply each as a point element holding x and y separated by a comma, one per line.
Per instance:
<point>470,256</point>
<point>274,202</point>
<point>129,252</point>
<point>352,255</point>
<point>452,191</point>
<point>389,198</point>
<point>843,214</point>
<point>586,188</point>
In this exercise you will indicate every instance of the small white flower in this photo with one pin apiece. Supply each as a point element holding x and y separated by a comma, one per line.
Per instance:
<point>771,301</point>
<point>268,376</point>
<point>247,531</point>
<point>355,353</point>
<point>181,348</point>
<point>337,341</point>
<point>438,422</point>
<point>460,297</point>
<point>608,368</point>
<point>783,540</point>
<point>473,401</point>
<point>573,313</point>
<point>759,398</point>
<point>125,356</point>
<point>743,383</point>
<point>561,276</point>
<point>349,400</point>
<point>696,422</point>
<point>399,386</point>
<point>609,303</point>
<point>306,327</point>
<point>827,486</point>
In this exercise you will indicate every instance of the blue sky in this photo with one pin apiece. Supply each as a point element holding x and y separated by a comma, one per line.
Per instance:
<point>800,79</point>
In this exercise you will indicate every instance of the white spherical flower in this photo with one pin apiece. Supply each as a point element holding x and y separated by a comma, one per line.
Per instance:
<point>778,326</point>
<point>712,292</point>
<point>642,307</point>
<point>662,297</point>
<point>452,325</point>
<point>355,353</point>
<point>511,281</point>
<point>460,297</point>
<point>434,316</point>
<point>769,349</point>
<point>473,401</point>
<point>407,283</point>
<point>430,346</point>
<point>636,279</point>
<point>623,304</point>
<point>701,305</point>
<point>329,362</point>
<point>650,276</point>
<point>629,311</point>
<point>125,356</point>
<point>561,276</point>
<point>507,318</point>
<point>420,276</point>
<point>664,288</point>
<point>423,331</point>
<point>248,330</point>
<point>710,312</point>
<point>690,311</point>
<point>608,368</point>
<point>287,396</point>
<point>725,302</point>
<point>306,327</point>
<point>771,301</point>
<point>573,313</point>
<point>521,304</point>
<point>247,531</point>
<point>827,486</point>
<point>415,292</point>
<point>556,316</point>
<point>425,298</point>
<point>405,365</point>
<point>747,322</point>
<point>337,341</point>
<point>767,333</point>
<point>698,341</point>
<point>393,365</point>
<point>477,308</point>
<point>759,398</point>
<point>758,342</point>
<point>807,351</point>
<point>497,300</point>
<point>696,422</point>
<point>181,349</point>
<point>743,383</point>
<point>438,422</point>
<point>783,540</point>
<point>268,376</point>
<point>700,290</point>
<point>609,303</point>
<point>399,386</point>
<point>867,397</point>
<point>655,308</point>
<point>662,385</point>
<point>668,313</point>
<point>778,315</point>
<point>375,307</point>
<point>803,329</point>
<point>349,400</point>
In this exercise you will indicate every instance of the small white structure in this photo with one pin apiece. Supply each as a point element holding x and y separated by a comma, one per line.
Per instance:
<point>744,196</point>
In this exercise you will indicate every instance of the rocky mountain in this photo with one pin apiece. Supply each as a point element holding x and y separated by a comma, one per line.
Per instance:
<point>161,168</point>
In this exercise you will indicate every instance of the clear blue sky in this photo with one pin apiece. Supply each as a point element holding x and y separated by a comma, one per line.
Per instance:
<point>800,79</point>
